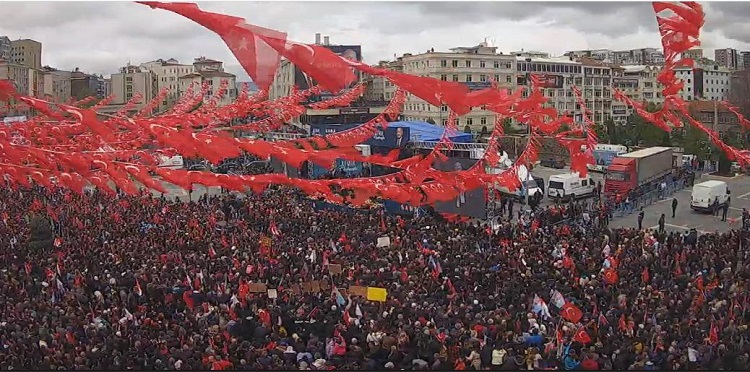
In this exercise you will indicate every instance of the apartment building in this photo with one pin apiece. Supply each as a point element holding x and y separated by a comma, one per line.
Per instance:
<point>649,88</point>
<point>379,88</point>
<point>694,54</point>
<point>169,72</point>
<point>727,58</point>
<point>642,56</point>
<point>130,81</point>
<point>26,52</point>
<point>476,67</point>
<point>5,48</point>
<point>714,115</point>
<point>57,84</point>
<point>593,79</point>
<point>745,59</point>
<point>83,85</point>
<point>212,72</point>
<point>704,82</point>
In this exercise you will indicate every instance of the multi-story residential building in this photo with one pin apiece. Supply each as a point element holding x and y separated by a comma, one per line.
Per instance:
<point>714,115</point>
<point>5,48</point>
<point>57,84</point>
<point>212,72</point>
<point>105,87</point>
<point>83,85</point>
<point>26,52</point>
<point>727,57</point>
<point>704,82</point>
<point>745,61</point>
<point>18,75</point>
<point>592,78</point>
<point>604,55</point>
<point>694,54</point>
<point>642,56</point>
<point>130,81</point>
<point>380,89</point>
<point>476,67</point>
<point>169,72</point>
<point>649,88</point>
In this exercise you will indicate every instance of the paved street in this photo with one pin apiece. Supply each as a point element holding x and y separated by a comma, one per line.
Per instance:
<point>685,218</point>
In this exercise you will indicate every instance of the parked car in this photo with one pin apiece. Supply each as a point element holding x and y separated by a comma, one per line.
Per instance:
<point>553,163</point>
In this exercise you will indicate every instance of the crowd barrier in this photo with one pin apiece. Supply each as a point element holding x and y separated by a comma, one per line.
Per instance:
<point>627,207</point>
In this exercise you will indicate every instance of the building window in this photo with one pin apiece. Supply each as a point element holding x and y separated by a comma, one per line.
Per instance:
<point>469,121</point>
<point>455,77</point>
<point>508,79</point>
<point>497,64</point>
<point>468,63</point>
<point>455,63</point>
<point>443,77</point>
<point>483,121</point>
<point>443,63</point>
<point>483,78</point>
<point>445,122</point>
<point>497,78</point>
<point>482,64</point>
<point>444,108</point>
<point>468,78</point>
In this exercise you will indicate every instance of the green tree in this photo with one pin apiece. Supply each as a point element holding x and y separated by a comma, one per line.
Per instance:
<point>603,130</point>
<point>666,140</point>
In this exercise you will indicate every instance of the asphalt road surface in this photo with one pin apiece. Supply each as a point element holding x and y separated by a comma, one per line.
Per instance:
<point>685,218</point>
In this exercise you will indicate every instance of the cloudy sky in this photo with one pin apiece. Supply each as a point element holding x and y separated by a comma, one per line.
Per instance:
<point>100,37</point>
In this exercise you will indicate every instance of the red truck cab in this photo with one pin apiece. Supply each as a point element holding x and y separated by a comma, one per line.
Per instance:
<point>621,176</point>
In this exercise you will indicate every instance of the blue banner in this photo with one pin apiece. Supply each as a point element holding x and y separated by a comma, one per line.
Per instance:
<point>320,205</point>
<point>393,137</point>
<point>393,207</point>
<point>343,168</point>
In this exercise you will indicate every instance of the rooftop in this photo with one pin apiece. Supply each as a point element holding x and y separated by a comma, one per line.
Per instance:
<point>547,60</point>
<point>208,74</point>
<point>707,106</point>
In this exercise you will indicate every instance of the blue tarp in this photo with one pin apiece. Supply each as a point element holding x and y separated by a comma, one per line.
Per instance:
<point>422,131</point>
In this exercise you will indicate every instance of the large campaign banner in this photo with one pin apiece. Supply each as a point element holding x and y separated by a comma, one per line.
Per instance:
<point>393,137</point>
<point>471,203</point>
<point>394,207</point>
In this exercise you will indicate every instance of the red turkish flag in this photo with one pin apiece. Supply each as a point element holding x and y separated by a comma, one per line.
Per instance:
<point>611,277</point>
<point>256,56</point>
<point>582,337</point>
<point>571,312</point>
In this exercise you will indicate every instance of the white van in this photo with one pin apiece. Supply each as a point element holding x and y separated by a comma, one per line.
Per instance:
<point>570,186</point>
<point>705,193</point>
<point>526,179</point>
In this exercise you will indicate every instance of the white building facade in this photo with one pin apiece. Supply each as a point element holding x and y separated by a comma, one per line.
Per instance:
<point>476,67</point>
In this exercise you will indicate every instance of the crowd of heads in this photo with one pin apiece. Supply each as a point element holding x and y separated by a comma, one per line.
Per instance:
<point>143,282</point>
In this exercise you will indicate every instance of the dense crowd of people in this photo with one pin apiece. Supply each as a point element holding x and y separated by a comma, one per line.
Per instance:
<point>147,283</point>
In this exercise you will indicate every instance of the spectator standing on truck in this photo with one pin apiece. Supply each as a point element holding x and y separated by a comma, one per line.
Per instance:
<point>674,206</point>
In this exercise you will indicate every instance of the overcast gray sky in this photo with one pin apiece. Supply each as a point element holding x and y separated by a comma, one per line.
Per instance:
<point>100,37</point>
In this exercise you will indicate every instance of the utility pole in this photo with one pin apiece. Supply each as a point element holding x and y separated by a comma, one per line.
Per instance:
<point>524,184</point>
